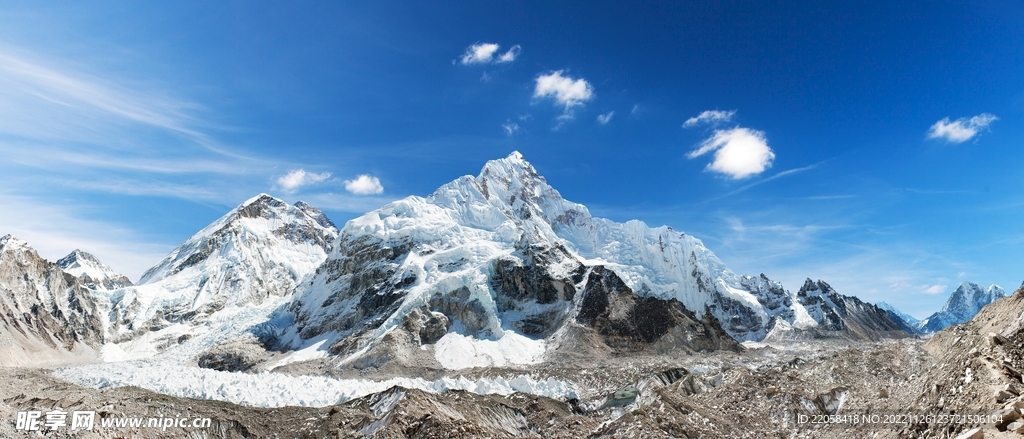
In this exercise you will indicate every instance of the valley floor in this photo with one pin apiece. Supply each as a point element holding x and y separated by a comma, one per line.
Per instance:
<point>890,389</point>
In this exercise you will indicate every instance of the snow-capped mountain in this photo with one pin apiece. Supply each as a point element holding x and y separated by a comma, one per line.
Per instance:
<point>260,249</point>
<point>93,273</point>
<point>502,256</point>
<point>962,305</point>
<point>840,314</point>
<point>904,320</point>
<point>46,315</point>
<point>906,317</point>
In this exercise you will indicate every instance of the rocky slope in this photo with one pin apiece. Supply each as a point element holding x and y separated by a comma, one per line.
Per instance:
<point>963,304</point>
<point>93,273</point>
<point>46,315</point>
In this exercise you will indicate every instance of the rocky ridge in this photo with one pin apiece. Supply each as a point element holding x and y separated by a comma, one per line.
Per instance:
<point>46,314</point>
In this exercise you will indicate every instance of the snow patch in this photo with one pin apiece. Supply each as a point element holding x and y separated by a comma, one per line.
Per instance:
<point>455,351</point>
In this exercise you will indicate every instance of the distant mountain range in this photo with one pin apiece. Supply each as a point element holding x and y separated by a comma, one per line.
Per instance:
<point>491,269</point>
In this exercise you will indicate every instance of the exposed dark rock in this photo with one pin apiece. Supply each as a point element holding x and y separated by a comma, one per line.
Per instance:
<point>371,287</point>
<point>628,322</point>
<point>457,305</point>
<point>523,283</point>
<point>529,278</point>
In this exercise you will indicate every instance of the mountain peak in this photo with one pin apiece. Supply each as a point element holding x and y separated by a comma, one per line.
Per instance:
<point>94,274</point>
<point>258,222</point>
<point>261,198</point>
<point>77,256</point>
<point>11,242</point>
<point>962,305</point>
<point>260,206</point>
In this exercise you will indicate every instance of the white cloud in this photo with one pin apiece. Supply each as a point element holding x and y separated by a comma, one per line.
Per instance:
<point>479,53</point>
<point>484,53</point>
<point>709,117</point>
<point>739,152</point>
<point>565,90</point>
<point>933,289</point>
<point>298,178</point>
<point>364,185</point>
<point>603,119</point>
<point>511,128</point>
<point>960,130</point>
<point>511,55</point>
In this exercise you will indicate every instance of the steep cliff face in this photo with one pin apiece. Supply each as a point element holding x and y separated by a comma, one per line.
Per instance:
<point>46,315</point>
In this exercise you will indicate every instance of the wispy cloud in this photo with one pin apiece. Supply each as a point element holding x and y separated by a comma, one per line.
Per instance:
<point>511,128</point>
<point>960,130</point>
<point>364,184</point>
<point>709,117</point>
<point>933,289</point>
<point>779,175</point>
<point>69,121</point>
<point>510,55</point>
<point>485,53</point>
<point>603,119</point>
<point>739,152</point>
<point>30,85</point>
<point>56,229</point>
<point>297,178</point>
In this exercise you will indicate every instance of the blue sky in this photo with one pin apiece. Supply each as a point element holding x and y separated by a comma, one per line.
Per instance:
<point>876,146</point>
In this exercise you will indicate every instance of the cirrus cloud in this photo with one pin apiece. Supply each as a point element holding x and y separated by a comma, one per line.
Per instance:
<point>739,152</point>
<point>364,184</point>
<point>962,129</point>
<point>709,117</point>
